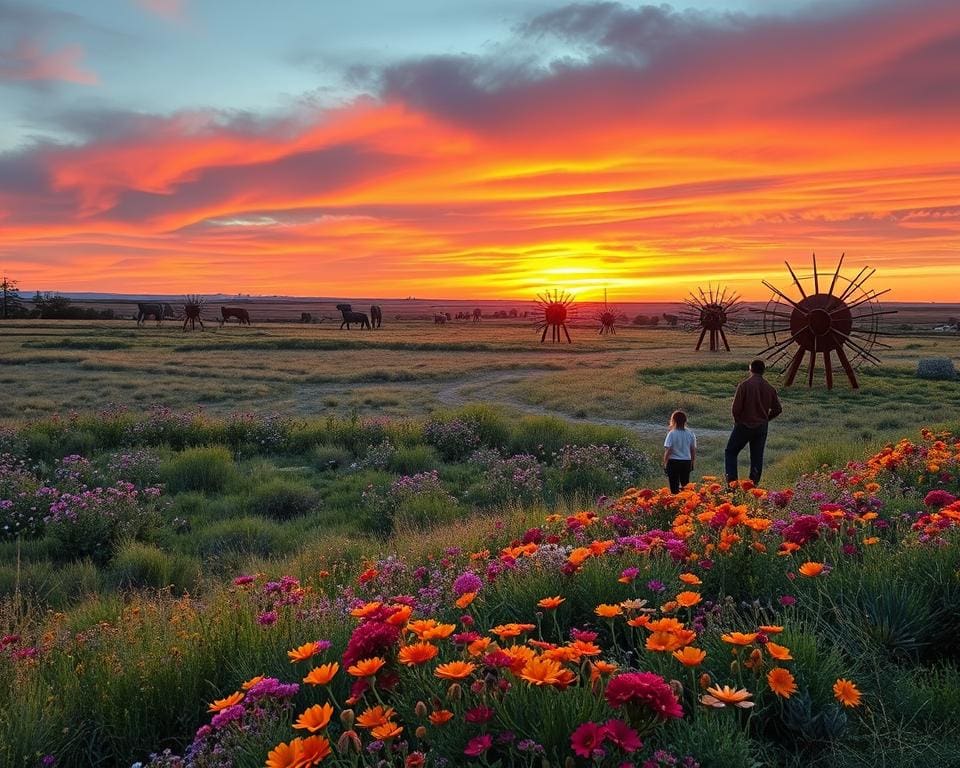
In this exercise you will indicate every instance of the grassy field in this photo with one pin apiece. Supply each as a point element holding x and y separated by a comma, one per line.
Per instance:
<point>412,368</point>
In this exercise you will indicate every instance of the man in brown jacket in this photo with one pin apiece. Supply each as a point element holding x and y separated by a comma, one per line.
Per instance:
<point>754,405</point>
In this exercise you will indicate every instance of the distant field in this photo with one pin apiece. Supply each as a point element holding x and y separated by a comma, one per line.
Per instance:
<point>410,368</point>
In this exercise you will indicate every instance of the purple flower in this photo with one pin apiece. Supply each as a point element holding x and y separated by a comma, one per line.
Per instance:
<point>655,585</point>
<point>467,582</point>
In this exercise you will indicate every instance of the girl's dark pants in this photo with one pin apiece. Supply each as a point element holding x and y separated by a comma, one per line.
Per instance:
<point>678,473</point>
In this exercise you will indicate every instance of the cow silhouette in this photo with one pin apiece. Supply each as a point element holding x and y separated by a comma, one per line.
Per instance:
<point>376,316</point>
<point>159,310</point>
<point>238,312</point>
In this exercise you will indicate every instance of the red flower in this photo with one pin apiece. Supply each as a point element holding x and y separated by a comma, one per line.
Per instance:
<point>478,745</point>
<point>371,638</point>
<point>938,498</point>
<point>622,735</point>
<point>587,738</point>
<point>645,690</point>
<point>479,715</point>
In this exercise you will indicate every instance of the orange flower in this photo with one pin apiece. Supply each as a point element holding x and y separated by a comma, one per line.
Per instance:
<point>374,716</point>
<point>285,755</point>
<point>438,632</point>
<point>688,599</point>
<point>639,621</point>
<point>690,656</point>
<point>721,697</point>
<point>465,599</point>
<point>365,610</point>
<point>441,716</point>
<point>511,630</point>
<point>870,540</point>
<point>455,670</point>
<point>781,682</point>
<point>519,655</point>
<point>479,646</point>
<point>739,638</point>
<point>417,653</point>
<point>583,648</point>
<point>599,668</point>
<point>400,616</point>
<point>323,674</point>
<point>606,611</point>
<point>846,693</point>
<point>664,625</point>
<point>779,652</point>
<point>388,730</point>
<point>252,682</point>
<point>541,671</point>
<point>549,603</point>
<point>663,642</point>
<point>810,569</point>
<point>691,579</point>
<point>315,718</point>
<point>366,667</point>
<point>770,629</point>
<point>313,750</point>
<point>229,701</point>
<point>304,652</point>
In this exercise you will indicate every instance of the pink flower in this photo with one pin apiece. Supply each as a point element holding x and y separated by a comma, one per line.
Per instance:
<point>621,734</point>
<point>938,498</point>
<point>587,738</point>
<point>478,745</point>
<point>644,690</point>
<point>267,618</point>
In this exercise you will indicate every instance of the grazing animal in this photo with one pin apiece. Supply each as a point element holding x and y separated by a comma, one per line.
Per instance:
<point>306,317</point>
<point>159,311</point>
<point>671,319</point>
<point>477,315</point>
<point>439,319</point>
<point>238,312</point>
<point>349,316</point>
<point>376,315</point>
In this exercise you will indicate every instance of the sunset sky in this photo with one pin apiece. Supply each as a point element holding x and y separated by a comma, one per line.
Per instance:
<point>477,148</point>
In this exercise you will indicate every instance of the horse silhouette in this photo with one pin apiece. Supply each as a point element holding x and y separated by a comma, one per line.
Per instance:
<point>376,315</point>
<point>159,310</point>
<point>349,316</point>
<point>238,312</point>
<point>477,315</point>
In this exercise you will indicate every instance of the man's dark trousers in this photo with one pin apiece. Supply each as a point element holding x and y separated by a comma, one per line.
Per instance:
<point>742,435</point>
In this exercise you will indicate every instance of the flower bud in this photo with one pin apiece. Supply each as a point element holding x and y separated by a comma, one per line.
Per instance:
<point>349,740</point>
<point>704,681</point>
<point>677,687</point>
<point>421,732</point>
<point>346,718</point>
<point>734,667</point>
<point>454,692</point>
<point>420,709</point>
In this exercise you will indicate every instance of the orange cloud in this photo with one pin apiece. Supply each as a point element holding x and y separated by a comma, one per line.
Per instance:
<point>679,149</point>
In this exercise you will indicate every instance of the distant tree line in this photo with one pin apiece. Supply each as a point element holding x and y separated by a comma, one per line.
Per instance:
<point>46,306</point>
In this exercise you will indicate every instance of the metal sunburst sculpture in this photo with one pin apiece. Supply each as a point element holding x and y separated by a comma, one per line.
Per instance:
<point>552,313</point>
<point>842,316</point>
<point>608,317</point>
<point>711,312</point>
<point>192,311</point>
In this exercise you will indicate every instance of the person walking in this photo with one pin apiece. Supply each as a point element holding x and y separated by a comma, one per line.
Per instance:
<point>754,406</point>
<point>679,452</point>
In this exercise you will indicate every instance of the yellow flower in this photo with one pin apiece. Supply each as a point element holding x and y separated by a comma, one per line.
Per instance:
<point>810,569</point>
<point>781,682</point>
<point>455,670</point>
<point>229,701</point>
<point>846,693</point>
<point>690,656</point>
<point>323,674</point>
<point>366,667</point>
<point>417,653</point>
<point>315,718</point>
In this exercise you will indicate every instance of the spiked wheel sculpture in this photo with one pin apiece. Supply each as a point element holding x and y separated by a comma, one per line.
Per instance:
<point>711,312</point>
<point>608,317</point>
<point>844,316</point>
<point>552,313</point>
<point>192,310</point>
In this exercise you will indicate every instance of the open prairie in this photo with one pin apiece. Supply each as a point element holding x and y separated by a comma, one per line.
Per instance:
<point>633,379</point>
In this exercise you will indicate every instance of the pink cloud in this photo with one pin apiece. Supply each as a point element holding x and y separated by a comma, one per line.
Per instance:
<point>28,62</point>
<point>171,10</point>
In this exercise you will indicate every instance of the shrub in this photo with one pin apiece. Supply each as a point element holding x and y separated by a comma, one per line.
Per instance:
<point>21,511</point>
<point>595,469</point>
<point>454,439</point>
<point>209,469</point>
<point>139,565</point>
<point>243,536</point>
<point>282,499</point>
<point>517,478</point>
<point>417,499</point>
<point>936,368</point>
<point>330,457</point>
<point>408,460</point>
<point>139,466</point>
<point>378,456</point>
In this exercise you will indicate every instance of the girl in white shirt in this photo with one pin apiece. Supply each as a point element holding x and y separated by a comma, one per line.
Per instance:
<point>680,452</point>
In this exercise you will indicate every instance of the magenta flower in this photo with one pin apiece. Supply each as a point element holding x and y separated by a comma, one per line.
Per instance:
<point>478,745</point>
<point>587,738</point>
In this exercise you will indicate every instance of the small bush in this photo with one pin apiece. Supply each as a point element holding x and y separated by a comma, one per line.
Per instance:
<point>244,536</point>
<point>408,460</point>
<point>137,565</point>
<point>454,439</point>
<point>209,470</point>
<point>282,499</point>
<point>330,457</point>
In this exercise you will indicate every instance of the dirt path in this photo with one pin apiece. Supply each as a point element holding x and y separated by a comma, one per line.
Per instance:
<point>458,393</point>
